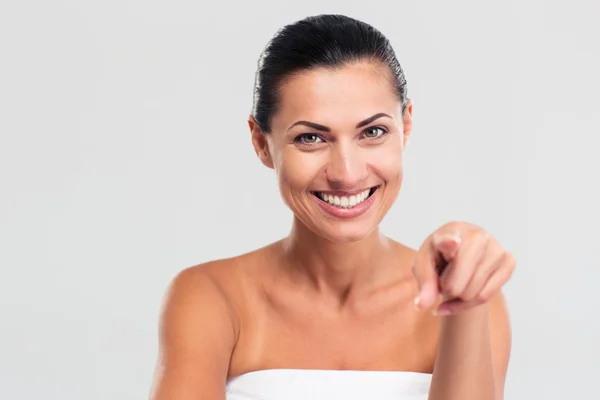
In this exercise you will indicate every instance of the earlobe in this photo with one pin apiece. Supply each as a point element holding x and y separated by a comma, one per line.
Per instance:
<point>260,143</point>
<point>266,159</point>
<point>261,146</point>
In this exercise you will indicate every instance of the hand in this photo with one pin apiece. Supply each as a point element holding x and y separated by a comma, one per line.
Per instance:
<point>462,263</point>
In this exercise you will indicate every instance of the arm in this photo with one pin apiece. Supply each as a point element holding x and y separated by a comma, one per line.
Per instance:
<point>468,268</point>
<point>473,354</point>
<point>197,337</point>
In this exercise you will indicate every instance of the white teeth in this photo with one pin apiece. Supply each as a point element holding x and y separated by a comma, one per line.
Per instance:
<point>344,201</point>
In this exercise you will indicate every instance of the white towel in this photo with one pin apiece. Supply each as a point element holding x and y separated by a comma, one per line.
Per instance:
<point>304,384</point>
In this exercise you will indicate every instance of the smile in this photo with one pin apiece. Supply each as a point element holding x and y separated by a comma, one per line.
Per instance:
<point>346,204</point>
<point>345,201</point>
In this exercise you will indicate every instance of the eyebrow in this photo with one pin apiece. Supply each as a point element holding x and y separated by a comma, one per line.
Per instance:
<point>324,128</point>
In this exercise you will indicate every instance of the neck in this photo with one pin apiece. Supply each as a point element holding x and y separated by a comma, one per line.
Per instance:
<point>335,269</point>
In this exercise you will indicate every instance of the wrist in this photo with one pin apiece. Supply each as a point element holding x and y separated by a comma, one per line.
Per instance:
<point>477,313</point>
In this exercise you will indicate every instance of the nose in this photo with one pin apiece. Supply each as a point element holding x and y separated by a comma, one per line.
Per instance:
<point>346,167</point>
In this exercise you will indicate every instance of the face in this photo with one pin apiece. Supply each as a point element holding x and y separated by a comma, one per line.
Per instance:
<point>336,145</point>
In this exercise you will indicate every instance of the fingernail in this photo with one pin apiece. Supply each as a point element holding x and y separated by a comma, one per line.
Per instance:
<point>456,236</point>
<point>418,302</point>
<point>453,236</point>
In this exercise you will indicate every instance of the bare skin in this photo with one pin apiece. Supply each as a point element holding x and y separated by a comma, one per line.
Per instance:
<point>273,316</point>
<point>336,293</point>
<point>296,324</point>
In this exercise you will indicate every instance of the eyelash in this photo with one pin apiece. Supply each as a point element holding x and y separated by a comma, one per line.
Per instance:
<point>298,138</point>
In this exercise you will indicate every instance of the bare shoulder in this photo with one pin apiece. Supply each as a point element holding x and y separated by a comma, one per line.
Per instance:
<point>215,287</point>
<point>199,290</point>
<point>224,279</point>
<point>196,338</point>
<point>199,328</point>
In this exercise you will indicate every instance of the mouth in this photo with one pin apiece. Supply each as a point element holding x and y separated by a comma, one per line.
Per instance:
<point>345,201</point>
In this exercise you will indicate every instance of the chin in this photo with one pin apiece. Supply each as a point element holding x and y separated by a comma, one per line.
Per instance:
<point>346,232</point>
<point>347,238</point>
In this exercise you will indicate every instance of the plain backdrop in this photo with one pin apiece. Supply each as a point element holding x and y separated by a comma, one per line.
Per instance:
<point>125,157</point>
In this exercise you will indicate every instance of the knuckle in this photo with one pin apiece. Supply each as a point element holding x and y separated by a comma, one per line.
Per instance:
<point>481,236</point>
<point>510,260</point>
<point>469,296</point>
<point>484,296</point>
<point>453,290</point>
<point>509,273</point>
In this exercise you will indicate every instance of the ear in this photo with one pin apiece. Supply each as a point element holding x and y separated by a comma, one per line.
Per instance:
<point>407,122</point>
<point>260,143</point>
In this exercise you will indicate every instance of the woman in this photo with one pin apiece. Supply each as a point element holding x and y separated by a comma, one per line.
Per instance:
<point>336,309</point>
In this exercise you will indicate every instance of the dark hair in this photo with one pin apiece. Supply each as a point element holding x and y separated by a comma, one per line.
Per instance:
<point>329,41</point>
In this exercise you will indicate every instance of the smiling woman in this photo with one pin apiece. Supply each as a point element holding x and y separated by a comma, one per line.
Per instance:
<point>336,309</point>
<point>335,131</point>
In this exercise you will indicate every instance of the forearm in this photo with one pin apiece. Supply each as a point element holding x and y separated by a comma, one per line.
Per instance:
<point>464,368</point>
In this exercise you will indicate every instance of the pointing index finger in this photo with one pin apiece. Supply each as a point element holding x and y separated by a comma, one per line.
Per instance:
<point>445,246</point>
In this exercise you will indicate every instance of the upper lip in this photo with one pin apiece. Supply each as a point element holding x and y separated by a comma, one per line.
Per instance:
<point>344,192</point>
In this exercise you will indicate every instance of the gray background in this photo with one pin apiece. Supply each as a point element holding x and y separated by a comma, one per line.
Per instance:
<point>125,157</point>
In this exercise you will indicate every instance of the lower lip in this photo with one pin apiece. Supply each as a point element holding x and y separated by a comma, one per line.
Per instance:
<point>353,212</point>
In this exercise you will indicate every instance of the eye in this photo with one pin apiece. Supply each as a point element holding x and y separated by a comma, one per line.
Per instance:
<point>308,138</point>
<point>374,132</point>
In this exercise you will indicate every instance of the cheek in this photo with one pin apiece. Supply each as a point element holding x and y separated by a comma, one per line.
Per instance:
<point>387,161</point>
<point>295,170</point>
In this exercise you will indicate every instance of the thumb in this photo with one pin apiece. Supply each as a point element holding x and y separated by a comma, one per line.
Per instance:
<point>427,279</point>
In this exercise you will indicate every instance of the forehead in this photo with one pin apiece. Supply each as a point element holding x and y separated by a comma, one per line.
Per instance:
<point>337,97</point>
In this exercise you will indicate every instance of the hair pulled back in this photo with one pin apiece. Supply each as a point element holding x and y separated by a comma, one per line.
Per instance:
<point>329,41</point>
